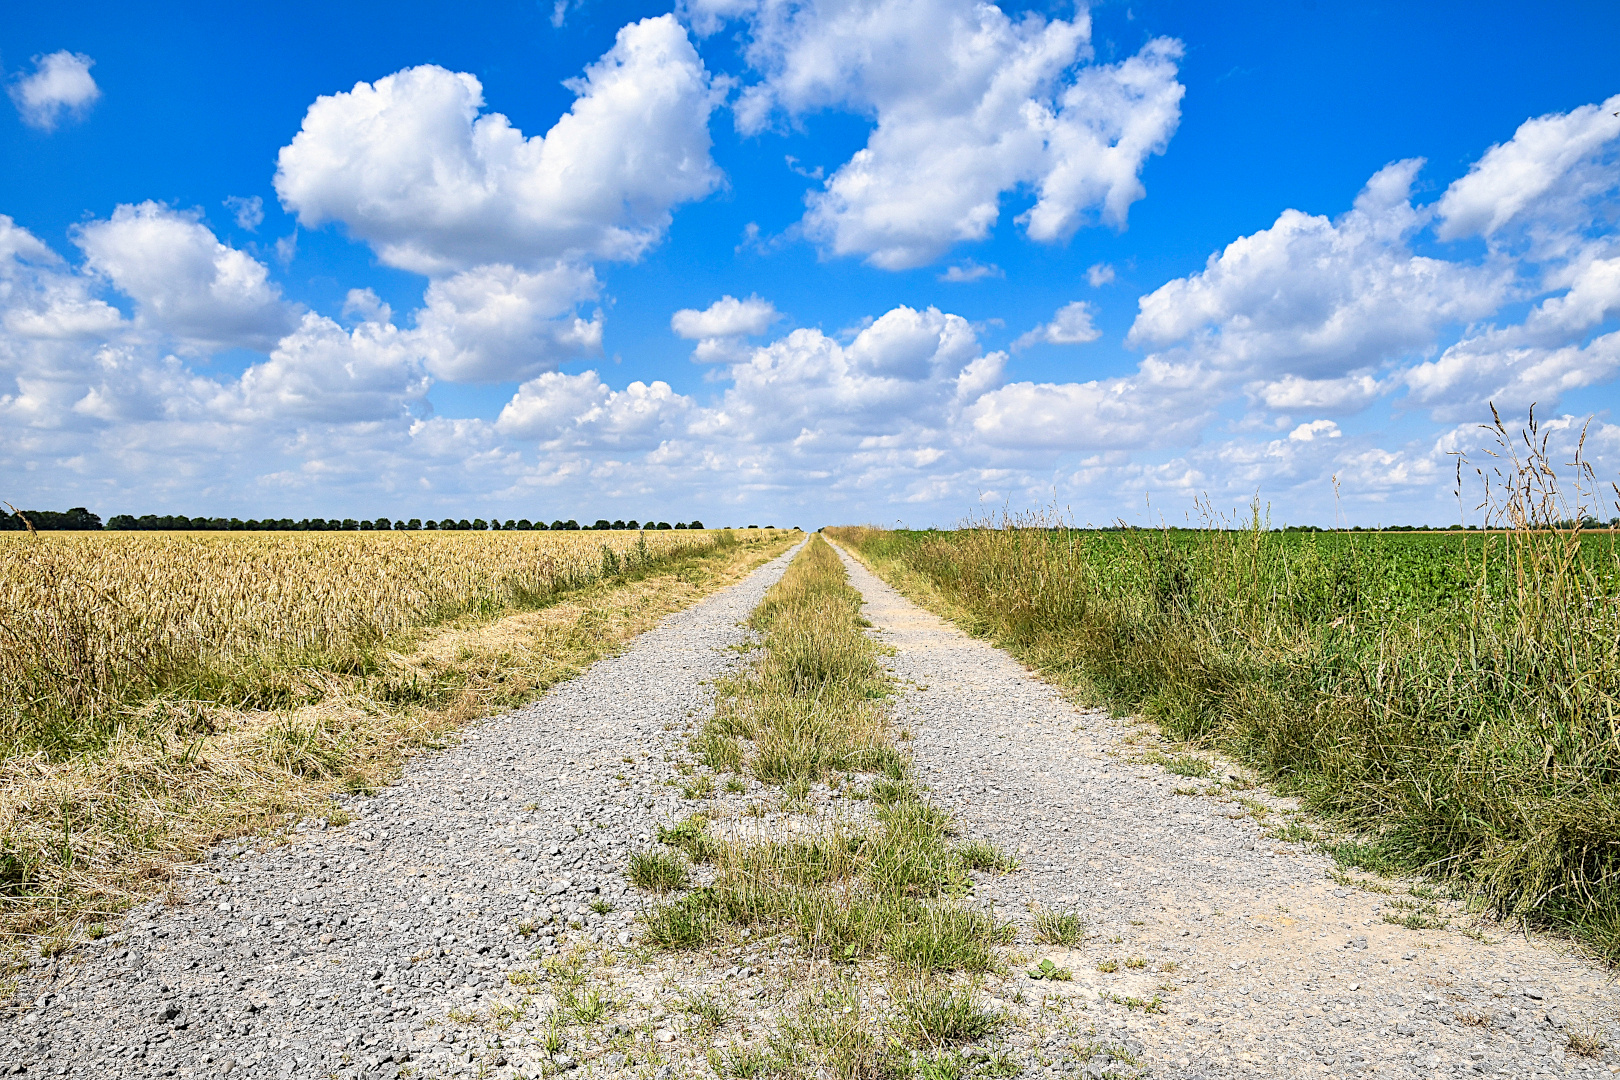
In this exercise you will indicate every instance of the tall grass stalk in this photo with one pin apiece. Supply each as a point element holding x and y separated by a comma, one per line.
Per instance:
<point>1456,697</point>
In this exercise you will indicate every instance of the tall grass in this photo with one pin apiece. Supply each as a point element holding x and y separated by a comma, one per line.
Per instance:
<point>91,622</point>
<point>1457,698</point>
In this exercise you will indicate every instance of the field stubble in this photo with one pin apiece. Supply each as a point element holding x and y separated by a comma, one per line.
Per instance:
<point>1454,699</point>
<point>163,692</point>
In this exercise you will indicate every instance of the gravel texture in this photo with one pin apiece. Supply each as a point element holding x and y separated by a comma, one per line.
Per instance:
<point>356,951</point>
<point>448,928</point>
<point>1276,969</point>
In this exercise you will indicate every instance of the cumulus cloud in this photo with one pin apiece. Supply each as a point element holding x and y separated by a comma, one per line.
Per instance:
<point>720,328</point>
<point>186,284</point>
<point>411,165</point>
<point>60,88</point>
<point>1317,298</point>
<point>1517,177</point>
<point>497,323</point>
<point>581,410</point>
<point>1071,325</point>
<point>1316,429</point>
<point>969,104</point>
<point>726,317</point>
<point>1099,274</point>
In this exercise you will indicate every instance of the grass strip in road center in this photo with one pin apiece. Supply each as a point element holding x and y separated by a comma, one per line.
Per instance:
<point>883,891</point>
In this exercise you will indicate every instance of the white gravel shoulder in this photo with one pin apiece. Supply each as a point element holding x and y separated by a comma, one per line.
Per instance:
<point>1277,970</point>
<point>348,951</point>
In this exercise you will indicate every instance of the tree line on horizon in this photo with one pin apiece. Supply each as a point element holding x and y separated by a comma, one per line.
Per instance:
<point>81,519</point>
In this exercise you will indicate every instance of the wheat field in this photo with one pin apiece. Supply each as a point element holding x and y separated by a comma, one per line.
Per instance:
<point>91,621</point>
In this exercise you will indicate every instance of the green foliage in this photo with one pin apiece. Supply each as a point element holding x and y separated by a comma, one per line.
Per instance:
<point>658,871</point>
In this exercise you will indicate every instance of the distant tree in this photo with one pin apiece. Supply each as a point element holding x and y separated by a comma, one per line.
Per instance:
<point>430,524</point>
<point>620,525</point>
<point>663,524</point>
<point>694,524</point>
<point>522,523</point>
<point>350,525</point>
<point>463,524</point>
<point>680,524</point>
<point>602,523</point>
<point>480,524</point>
<point>571,525</point>
<point>117,521</point>
<point>382,523</point>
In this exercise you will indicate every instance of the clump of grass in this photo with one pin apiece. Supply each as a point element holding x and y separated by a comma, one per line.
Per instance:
<point>691,835</point>
<point>1059,928</point>
<point>658,871</point>
<point>983,855</point>
<point>931,1017</point>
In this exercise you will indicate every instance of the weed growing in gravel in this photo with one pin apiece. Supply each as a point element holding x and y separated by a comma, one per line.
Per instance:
<point>1585,1041</point>
<point>1108,967</point>
<point>1059,928</point>
<point>931,1017</point>
<point>657,871</point>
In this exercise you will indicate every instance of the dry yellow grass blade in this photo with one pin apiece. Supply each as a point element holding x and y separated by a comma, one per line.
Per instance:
<point>86,834</point>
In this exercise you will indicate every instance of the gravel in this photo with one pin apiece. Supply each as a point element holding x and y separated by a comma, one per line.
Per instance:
<point>1275,970</point>
<point>351,951</point>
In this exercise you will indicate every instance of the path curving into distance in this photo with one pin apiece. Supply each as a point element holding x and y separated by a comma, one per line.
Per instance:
<point>1281,972</point>
<point>328,956</point>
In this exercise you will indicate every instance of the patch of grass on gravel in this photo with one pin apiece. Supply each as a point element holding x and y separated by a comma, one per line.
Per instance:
<point>658,871</point>
<point>1059,928</point>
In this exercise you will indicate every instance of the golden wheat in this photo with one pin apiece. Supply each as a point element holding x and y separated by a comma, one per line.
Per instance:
<point>89,619</point>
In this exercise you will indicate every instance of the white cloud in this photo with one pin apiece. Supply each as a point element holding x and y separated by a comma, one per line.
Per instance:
<point>1320,299</point>
<point>1160,406</point>
<point>726,317</point>
<point>184,281</point>
<point>249,212</point>
<point>497,323</point>
<point>969,105</point>
<point>1099,274</point>
<point>1293,394</point>
<point>59,88</point>
<point>322,372</point>
<point>411,166</point>
<point>968,270</point>
<point>1072,325</point>
<point>581,410</point>
<point>720,328</point>
<point>1316,429</point>
<point>1518,176</point>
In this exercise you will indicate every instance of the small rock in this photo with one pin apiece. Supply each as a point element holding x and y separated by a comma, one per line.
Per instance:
<point>664,1035</point>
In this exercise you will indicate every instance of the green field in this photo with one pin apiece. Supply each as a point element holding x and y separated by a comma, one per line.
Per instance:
<point>1454,697</point>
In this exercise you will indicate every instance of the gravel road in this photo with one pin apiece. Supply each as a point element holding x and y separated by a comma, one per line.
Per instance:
<point>1277,969</point>
<point>349,951</point>
<point>389,945</point>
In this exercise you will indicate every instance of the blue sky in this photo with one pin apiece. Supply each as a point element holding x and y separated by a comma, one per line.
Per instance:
<point>288,261</point>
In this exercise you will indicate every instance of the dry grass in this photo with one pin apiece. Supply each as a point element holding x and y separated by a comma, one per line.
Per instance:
<point>85,833</point>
